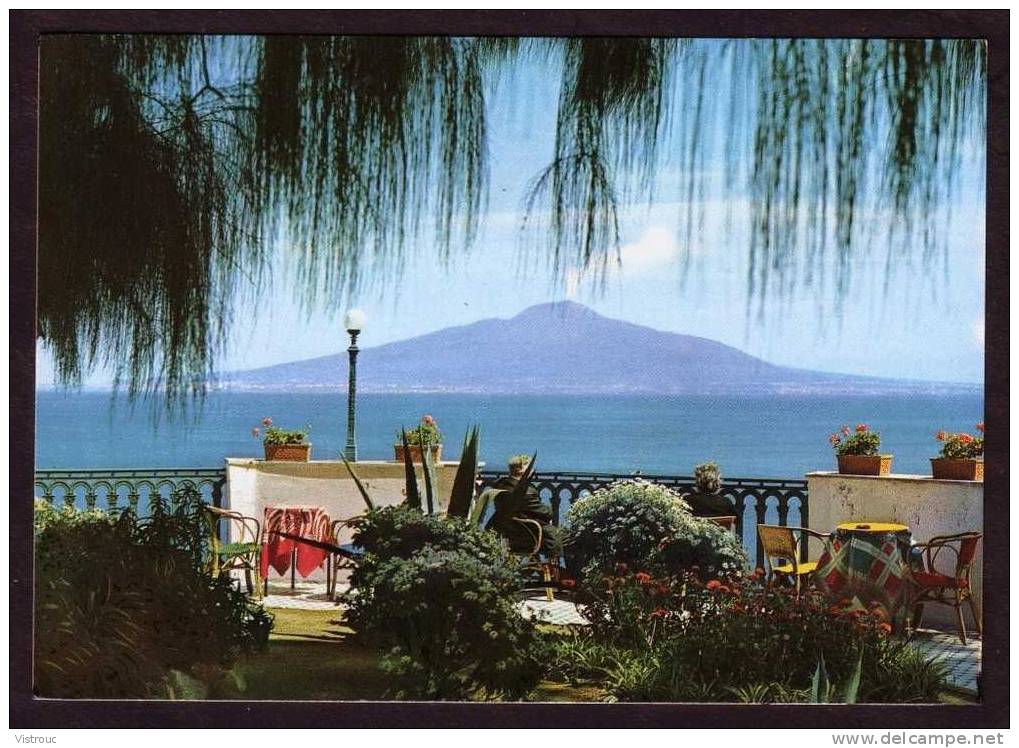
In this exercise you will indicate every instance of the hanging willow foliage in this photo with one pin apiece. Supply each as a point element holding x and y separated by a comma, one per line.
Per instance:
<point>171,166</point>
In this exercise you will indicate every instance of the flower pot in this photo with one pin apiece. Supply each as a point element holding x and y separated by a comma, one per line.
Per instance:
<point>287,452</point>
<point>415,453</point>
<point>865,464</point>
<point>945,468</point>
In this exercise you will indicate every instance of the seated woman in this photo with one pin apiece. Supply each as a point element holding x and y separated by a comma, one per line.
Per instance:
<point>706,500</point>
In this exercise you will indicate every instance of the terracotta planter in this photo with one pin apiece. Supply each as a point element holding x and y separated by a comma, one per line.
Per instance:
<point>865,464</point>
<point>415,453</point>
<point>287,452</point>
<point>945,468</point>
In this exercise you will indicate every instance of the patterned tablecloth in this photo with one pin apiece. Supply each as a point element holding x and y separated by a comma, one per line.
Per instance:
<point>307,521</point>
<point>867,568</point>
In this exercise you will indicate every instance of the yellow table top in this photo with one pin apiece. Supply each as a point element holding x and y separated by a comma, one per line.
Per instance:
<point>872,527</point>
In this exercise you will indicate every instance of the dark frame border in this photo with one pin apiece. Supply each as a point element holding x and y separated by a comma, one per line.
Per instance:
<point>26,26</point>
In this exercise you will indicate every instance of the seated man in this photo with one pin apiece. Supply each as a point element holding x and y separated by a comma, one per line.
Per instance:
<point>509,507</point>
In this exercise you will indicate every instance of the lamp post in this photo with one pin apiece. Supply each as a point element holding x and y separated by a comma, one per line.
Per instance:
<point>354,322</point>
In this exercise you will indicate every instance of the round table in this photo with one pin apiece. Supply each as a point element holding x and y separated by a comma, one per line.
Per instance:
<point>871,527</point>
<point>867,562</point>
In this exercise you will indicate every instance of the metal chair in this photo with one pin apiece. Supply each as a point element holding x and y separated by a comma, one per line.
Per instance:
<point>242,552</point>
<point>931,585</point>
<point>780,543</point>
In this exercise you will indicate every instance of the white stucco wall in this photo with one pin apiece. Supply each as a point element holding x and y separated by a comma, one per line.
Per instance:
<point>252,485</point>
<point>928,507</point>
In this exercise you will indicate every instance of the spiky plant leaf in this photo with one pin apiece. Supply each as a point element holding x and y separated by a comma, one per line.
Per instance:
<point>413,499</point>
<point>462,494</point>
<point>357,482</point>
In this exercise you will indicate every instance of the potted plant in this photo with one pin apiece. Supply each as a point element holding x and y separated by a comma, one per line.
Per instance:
<point>857,451</point>
<point>425,435</point>
<point>283,445</point>
<point>962,456</point>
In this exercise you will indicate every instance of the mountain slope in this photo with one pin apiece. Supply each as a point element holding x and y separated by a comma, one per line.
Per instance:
<point>560,347</point>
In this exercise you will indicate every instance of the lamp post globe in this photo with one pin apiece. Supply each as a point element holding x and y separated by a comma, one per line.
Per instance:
<point>353,321</point>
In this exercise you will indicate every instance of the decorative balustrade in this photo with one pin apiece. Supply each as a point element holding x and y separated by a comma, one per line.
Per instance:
<point>113,490</point>
<point>776,501</point>
<point>755,500</point>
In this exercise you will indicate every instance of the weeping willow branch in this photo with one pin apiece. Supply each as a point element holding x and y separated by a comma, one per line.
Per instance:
<point>172,166</point>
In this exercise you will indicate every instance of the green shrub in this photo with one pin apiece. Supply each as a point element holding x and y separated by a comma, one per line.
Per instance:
<point>678,639</point>
<point>437,596</point>
<point>644,526</point>
<point>126,609</point>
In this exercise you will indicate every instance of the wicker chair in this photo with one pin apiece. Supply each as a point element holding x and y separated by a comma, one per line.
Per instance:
<point>783,544</point>
<point>242,552</point>
<point>337,562</point>
<point>932,585</point>
<point>727,522</point>
<point>548,568</point>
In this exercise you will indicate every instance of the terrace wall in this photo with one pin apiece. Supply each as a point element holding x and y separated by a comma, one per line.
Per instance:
<point>928,507</point>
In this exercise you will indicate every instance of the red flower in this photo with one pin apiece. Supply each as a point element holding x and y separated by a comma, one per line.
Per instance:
<point>861,427</point>
<point>980,427</point>
<point>428,420</point>
<point>940,436</point>
<point>659,613</point>
<point>567,583</point>
<point>643,578</point>
<point>885,628</point>
<point>834,439</point>
<point>723,589</point>
<point>713,585</point>
<point>663,589</point>
<point>965,438</point>
<point>267,421</point>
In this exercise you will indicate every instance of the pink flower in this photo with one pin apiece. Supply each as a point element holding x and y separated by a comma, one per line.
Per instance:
<point>980,427</point>
<point>267,422</point>
<point>256,432</point>
<point>861,427</point>
<point>941,435</point>
<point>428,420</point>
<point>965,438</point>
<point>845,430</point>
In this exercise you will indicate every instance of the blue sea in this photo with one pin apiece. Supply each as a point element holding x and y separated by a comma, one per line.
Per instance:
<point>774,436</point>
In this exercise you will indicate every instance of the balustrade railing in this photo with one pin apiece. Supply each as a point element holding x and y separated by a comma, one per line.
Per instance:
<point>775,501</point>
<point>116,489</point>
<point>755,501</point>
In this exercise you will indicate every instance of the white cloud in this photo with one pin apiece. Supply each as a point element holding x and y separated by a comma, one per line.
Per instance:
<point>656,248</point>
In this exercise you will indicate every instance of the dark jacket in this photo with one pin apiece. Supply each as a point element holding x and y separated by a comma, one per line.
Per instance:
<point>709,505</point>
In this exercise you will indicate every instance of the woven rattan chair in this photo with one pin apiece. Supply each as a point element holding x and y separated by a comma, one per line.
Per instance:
<point>337,562</point>
<point>932,585</point>
<point>548,568</point>
<point>783,545</point>
<point>728,522</point>
<point>243,551</point>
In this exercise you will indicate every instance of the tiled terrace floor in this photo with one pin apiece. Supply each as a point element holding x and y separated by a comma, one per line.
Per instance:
<point>963,660</point>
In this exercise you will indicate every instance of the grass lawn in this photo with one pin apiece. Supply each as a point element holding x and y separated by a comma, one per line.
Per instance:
<point>313,657</point>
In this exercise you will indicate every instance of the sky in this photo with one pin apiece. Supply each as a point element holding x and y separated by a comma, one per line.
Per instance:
<point>916,324</point>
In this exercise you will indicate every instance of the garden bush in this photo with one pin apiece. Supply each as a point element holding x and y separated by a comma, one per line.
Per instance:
<point>732,639</point>
<point>125,608</point>
<point>438,597</point>
<point>640,525</point>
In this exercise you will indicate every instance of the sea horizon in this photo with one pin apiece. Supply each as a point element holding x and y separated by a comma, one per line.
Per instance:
<point>768,436</point>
